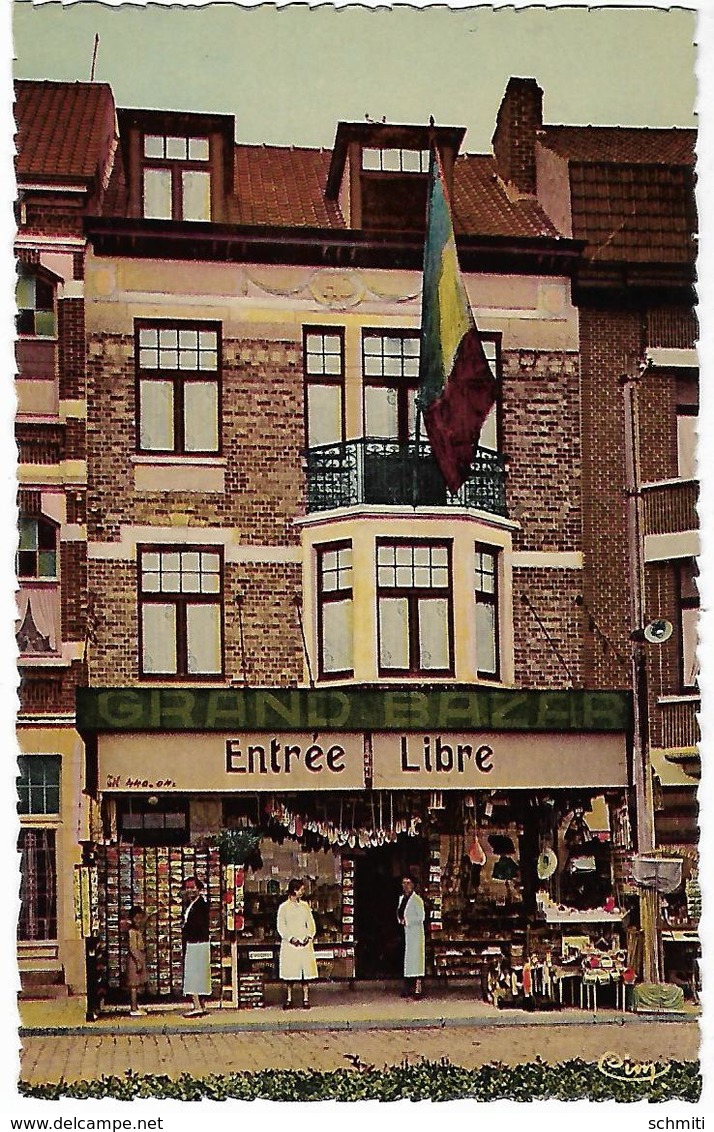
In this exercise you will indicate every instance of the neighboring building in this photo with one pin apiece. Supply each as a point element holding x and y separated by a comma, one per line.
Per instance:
<point>66,135</point>
<point>629,195</point>
<point>292,626</point>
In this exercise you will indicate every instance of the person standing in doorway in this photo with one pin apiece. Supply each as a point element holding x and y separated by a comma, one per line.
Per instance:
<point>411,915</point>
<point>296,928</point>
<point>196,947</point>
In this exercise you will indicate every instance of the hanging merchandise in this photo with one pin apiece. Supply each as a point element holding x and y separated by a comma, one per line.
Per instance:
<point>505,868</point>
<point>582,864</point>
<point>546,864</point>
<point>86,901</point>
<point>476,854</point>
<point>501,844</point>
<point>367,836</point>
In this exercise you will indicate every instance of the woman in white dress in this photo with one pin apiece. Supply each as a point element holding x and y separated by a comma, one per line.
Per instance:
<point>296,928</point>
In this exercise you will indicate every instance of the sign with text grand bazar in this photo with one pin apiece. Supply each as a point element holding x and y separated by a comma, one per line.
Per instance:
<point>450,708</point>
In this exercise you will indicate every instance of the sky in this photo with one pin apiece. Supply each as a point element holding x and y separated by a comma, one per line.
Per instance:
<point>290,74</point>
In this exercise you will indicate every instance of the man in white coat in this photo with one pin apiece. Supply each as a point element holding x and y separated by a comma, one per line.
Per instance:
<point>411,915</point>
<point>296,928</point>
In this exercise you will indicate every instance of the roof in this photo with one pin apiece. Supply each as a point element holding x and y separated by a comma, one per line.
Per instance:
<point>481,206</point>
<point>281,186</point>
<point>628,144</point>
<point>285,187</point>
<point>631,191</point>
<point>64,130</point>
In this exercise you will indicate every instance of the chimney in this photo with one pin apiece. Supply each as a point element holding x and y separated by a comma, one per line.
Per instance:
<point>520,116</point>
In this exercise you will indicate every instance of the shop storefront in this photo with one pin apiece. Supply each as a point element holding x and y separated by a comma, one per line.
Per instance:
<point>508,808</point>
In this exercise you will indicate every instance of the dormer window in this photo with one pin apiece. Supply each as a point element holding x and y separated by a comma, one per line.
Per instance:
<point>379,171</point>
<point>176,179</point>
<point>396,160</point>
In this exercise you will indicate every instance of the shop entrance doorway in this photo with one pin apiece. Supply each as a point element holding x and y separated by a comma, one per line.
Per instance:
<point>378,886</point>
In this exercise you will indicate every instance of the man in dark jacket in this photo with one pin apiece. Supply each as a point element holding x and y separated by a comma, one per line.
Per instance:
<point>196,947</point>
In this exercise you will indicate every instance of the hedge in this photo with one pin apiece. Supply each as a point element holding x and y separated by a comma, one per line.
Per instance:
<point>425,1080</point>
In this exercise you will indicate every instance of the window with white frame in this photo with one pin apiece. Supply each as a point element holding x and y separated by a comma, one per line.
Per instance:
<point>689,622</point>
<point>38,784</point>
<point>176,178</point>
<point>178,373</point>
<point>486,595</point>
<point>181,611</point>
<point>35,299</point>
<point>335,611</point>
<point>414,606</point>
<point>324,365</point>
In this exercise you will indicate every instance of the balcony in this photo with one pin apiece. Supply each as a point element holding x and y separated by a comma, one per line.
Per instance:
<point>385,472</point>
<point>670,508</point>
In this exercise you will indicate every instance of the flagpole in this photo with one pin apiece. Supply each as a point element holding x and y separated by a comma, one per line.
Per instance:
<point>419,406</point>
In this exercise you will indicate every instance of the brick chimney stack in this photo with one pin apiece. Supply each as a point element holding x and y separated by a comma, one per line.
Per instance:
<point>520,116</point>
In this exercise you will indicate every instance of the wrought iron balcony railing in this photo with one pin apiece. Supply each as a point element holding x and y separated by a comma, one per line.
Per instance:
<point>370,470</point>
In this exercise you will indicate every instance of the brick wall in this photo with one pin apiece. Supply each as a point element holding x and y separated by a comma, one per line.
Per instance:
<point>551,594</point>
<point>611,343</point>
<point>271,634</point>
<point>541,438</point>
<point>73,574</point>
<point>44,692</point>
<point>262,439</point>
<point>71,348</point>
<point>657,402</point>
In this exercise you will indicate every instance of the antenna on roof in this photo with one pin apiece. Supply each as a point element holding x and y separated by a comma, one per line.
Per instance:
<point>94,57</point>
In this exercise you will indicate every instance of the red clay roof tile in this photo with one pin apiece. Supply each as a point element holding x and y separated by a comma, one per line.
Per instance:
<point>63,129</point>
<point>629,144</point>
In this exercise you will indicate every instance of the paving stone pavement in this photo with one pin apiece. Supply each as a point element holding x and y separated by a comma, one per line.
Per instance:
<point>87,1056</point>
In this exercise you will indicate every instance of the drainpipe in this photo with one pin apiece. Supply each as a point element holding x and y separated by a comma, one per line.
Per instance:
<point>641,765</point>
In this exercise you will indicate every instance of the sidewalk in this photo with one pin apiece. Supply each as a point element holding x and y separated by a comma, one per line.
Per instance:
<point>333,1008</point>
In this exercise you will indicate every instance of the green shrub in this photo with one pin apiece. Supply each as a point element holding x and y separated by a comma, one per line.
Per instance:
<point>424,1080</point>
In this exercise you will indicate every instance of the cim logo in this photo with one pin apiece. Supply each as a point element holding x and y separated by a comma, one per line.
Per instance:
<point>625,1068</point>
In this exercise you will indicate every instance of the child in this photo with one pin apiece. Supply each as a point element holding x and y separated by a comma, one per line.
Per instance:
<point>136,960</point>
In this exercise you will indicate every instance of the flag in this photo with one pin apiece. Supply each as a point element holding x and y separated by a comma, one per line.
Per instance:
<point>457,388</point>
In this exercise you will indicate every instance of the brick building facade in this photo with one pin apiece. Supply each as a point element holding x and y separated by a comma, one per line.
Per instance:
<point>274,566</point>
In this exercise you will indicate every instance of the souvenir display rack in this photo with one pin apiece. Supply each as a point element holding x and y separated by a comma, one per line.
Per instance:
<point>152,877</point>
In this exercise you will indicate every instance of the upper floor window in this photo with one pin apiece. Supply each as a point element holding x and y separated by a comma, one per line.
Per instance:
<point>687,441</point>
<point>689,621</point>
<point>414,608</point>
<point>335,609</point>
<point>176,180</point>
<point>38,784</point>
<point>37,549</point>
<point>486,594</point>
<point>324,363</point>
<point>178,369</point>
<point>35,298</point>
<point>396,160</point>
<point>181,611</point>
<point>390,369</point>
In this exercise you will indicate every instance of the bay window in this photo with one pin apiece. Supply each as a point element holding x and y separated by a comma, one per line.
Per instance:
<point>414,604</point>
<point>486,596</point>
<point>335,622</point>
